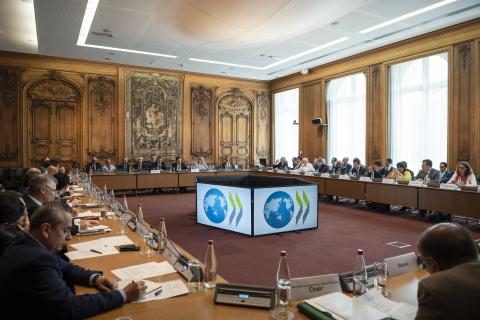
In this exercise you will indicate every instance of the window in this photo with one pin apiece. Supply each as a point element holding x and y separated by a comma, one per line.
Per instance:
<point>418,110</point>
<point>346,113</point>
<point>286,105</point>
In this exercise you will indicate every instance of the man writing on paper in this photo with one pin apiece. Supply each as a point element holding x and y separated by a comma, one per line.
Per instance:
<point>453,288</point>
<point>31,272</point>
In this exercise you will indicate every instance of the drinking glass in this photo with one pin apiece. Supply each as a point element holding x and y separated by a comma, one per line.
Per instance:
<point>195,281</point>
<point>380,280</point>
<point>147,250</point>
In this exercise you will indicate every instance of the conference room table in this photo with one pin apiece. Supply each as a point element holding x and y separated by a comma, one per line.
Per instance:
<point>455,202</point>
<point>195,305</point>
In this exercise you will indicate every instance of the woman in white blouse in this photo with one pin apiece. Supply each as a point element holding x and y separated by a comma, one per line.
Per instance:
<point>463,175</point>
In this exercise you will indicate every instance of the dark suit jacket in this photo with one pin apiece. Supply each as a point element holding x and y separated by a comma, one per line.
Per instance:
<point>450,294</point>
<point>433,175</point>
<point>97,167</point>
<point>123,167</point>
<point>33,284</point>
<point>183,166</point>
<point>30,205</point>
<point>140,167</point>
<point>362,171</point>
<point>155,166</point>
<point>346,169</point>
<point>446,176</point>
<point>281,166</point>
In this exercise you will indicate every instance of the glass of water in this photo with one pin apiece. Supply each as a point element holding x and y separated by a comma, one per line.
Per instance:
<point>380,280</point>
<point>147,250</point>
<point>195,281</point>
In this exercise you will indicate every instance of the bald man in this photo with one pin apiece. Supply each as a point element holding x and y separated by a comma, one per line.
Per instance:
<point>453,288</point>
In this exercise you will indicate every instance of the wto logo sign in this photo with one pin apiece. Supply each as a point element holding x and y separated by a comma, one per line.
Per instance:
<point>300,204</point>
<point>239,212</point>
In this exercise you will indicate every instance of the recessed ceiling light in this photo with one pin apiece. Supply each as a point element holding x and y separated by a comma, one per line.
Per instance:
<point>408,15</point>
<point>90,11</point>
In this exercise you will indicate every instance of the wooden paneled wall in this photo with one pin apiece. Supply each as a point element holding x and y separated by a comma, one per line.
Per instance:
<point>70,109</point>
<point>462,42</point>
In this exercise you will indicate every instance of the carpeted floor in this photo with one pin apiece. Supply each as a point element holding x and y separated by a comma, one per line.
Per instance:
<point>329,249</point>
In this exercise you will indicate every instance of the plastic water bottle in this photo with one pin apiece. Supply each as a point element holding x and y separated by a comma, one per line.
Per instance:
<point>359,275</point>
<point>125,204</point>
<point>210,264</point>
<point>162,236</point>
<point>139,213</point>
<point>283,280</point>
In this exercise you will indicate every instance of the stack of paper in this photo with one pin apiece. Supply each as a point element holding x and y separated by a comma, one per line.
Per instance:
<point>372,305</point>
<point>158,290</point>
<point>97,248</point>
<point>144,271</point>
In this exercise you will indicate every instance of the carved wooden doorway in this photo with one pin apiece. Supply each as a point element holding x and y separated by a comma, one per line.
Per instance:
<point>53,107</point>
<point>234,116</point>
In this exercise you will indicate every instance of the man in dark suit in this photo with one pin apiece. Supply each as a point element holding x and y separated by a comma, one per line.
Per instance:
<point>358,169</point>
<point>13,218</point>
<point>453,288</point>
<point>93,166</point>
<point>159,164</point>
<point>346,167</point>
<point>282,164</point>
<point>140,165</point>
<point>427,172</point>
<point>445,174</point>
<point>178,165</point>
<point>124,166</point>
<point>41,189</point>
<point>30,271</point>
<point>388,167</point>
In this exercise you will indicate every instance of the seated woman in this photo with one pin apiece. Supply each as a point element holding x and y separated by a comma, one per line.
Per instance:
<point>401,173</point>
<point>463,175</point>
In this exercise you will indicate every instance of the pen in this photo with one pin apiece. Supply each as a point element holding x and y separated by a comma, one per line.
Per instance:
<point>93,250</point>
<point>159,287</point>
<point>159,292</point>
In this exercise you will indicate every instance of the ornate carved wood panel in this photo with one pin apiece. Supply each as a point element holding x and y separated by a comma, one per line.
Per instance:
<point>234,114</point>
<point>102,117</point>
<point>263,125</point>
<point>53,106</point>
<point>313,139</point>
<point>376,143</point>
<point>462,121</point>
<point>9,117</point>
<point>202,121</point>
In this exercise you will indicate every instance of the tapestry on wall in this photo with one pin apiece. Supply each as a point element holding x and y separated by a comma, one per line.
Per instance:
<point>153,114</point>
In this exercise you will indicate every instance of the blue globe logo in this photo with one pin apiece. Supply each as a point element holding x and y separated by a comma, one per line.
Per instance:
<point>215,205</point>
<point>278,209</point>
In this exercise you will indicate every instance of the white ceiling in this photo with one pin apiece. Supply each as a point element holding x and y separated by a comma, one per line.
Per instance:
<point>251,38</point>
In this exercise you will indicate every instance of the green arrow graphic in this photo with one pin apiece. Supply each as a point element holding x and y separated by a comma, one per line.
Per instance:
<point>239,203</point>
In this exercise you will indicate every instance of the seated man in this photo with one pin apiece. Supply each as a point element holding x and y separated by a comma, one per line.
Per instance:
<point>178,165</point>
<point>41,189</point>
<point>282,164</point>
<point>140,165</point>
<point>93,166</point>
<point>159,164</point>
<point>306,166</point>
<point>13,218</point>
<point>31,271</point>
<point>44,164</point>
<point>52,170</point>
<point>453,288</point>
<point>445,174</point>
<point>358,169</point>
<point>200,164</point>
<point>388,167</point>
<point>346,167</point>
<point>124,166</point>
<point>109,167</point>
<point>153,160</point>
<point>427,173</point>
<point>376,170</point>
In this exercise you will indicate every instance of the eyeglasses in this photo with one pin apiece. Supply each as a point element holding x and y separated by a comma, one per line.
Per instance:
<point>52,190</point>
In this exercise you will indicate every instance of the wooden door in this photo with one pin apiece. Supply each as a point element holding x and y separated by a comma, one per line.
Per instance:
<point>235,127</point>
<point>53,121</point>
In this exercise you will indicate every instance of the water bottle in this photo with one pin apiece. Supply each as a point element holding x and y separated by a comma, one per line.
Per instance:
<point>162,236</point>
<point>283,281</point>
<point>359,275</point>
<point>125,204</point>
<point>139,213</point>
<point>210,264</point>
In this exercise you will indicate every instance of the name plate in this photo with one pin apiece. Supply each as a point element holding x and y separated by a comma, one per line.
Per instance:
<point>309,287</point>
<point>194,170</point>
<point>155,171</point>
<point>388,181</point>
<point>309,173</point>
<point>344,177</point>
<point>448,186</point>
<point>415,183</point>
<point>401,264</point>
<point>365,179</point>
<point>325,175</point>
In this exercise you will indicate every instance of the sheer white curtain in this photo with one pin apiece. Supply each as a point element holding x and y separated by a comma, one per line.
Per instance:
<point>346,115</point>
<point>286,106</point>
<point>418,111</point>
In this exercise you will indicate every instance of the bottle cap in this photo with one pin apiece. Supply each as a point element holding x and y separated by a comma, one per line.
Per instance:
<point>283,253</point>
<point>162,219</point>
<point>360,252</point>
<point>210,242</point>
